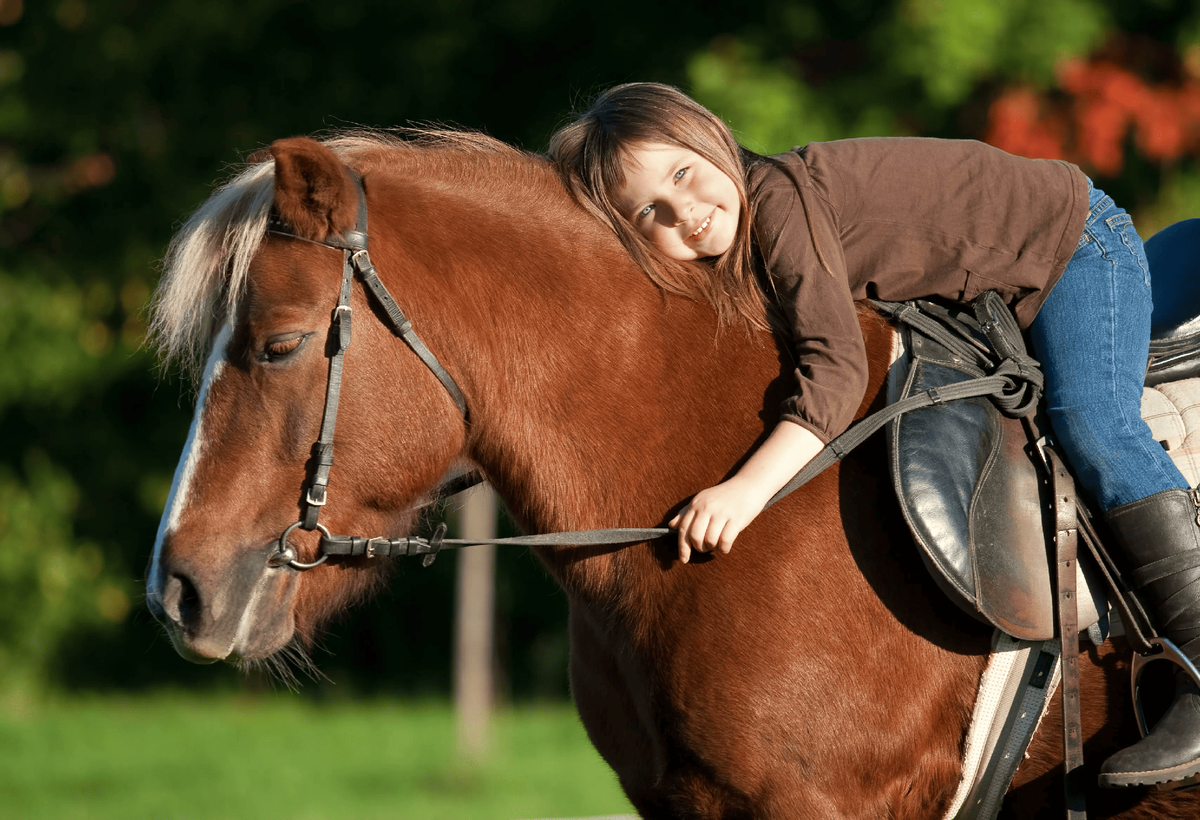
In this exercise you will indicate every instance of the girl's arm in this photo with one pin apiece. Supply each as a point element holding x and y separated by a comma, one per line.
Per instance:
<point>714,517</point>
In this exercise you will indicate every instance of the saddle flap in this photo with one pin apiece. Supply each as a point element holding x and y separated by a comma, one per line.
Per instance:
<point>975,502</point>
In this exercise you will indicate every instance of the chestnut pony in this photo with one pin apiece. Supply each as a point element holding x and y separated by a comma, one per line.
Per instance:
<point>813,672</point>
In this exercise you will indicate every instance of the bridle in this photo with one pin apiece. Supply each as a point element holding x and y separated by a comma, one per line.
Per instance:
<point>357,262</point>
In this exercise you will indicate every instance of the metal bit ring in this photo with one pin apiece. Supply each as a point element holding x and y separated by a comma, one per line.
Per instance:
<point>287,556</point>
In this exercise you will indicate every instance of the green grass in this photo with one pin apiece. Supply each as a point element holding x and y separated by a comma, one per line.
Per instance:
<point>283,758</point>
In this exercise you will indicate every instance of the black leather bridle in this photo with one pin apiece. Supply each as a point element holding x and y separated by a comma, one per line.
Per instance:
<point>355,261</point>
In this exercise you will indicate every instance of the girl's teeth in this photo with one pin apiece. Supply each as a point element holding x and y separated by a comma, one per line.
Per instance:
<point>702,226</point>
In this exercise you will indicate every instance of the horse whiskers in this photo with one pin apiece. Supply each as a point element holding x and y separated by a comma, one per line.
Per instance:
<point>284,665</point>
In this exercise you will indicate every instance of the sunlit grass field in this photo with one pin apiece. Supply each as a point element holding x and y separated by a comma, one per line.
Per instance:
<point>285,758</point>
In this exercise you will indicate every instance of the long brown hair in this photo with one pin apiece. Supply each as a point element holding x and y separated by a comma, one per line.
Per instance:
<point>590,152</point>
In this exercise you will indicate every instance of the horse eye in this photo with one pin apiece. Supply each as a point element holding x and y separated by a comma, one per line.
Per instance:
<point>281,348</point>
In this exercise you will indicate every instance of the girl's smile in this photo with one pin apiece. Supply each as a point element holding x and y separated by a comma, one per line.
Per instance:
<point>682,203</point>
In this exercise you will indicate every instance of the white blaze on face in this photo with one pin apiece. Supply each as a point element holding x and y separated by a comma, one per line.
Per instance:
<point>186,469</point>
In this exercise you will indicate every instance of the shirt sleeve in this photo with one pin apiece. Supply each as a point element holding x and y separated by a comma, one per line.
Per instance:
<point>830,354</point>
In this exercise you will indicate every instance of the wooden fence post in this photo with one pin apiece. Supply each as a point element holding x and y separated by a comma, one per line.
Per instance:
<point>474,622</point>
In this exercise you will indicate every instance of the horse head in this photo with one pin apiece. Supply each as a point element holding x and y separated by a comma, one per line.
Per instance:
<point>261,404</point>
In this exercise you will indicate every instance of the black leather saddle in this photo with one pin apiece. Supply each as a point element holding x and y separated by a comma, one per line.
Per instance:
<point>969,478</point>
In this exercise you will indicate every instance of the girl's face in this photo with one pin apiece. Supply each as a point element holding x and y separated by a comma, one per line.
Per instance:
<point>686,206</point>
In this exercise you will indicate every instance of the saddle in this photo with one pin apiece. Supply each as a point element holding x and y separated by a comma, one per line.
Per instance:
<point>971,486</point>
<point>971,479</point>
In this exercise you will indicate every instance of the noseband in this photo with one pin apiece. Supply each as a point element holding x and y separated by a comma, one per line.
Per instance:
<point>355,261</point>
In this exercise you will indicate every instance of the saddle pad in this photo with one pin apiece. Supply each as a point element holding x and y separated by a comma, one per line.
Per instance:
<point>1014,693</point>
<point>1172,411</point>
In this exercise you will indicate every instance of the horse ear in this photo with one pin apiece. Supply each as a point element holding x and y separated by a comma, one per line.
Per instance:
<point>313,191</point>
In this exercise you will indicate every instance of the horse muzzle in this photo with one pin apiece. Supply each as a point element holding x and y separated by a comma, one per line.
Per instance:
<point>240,610</point>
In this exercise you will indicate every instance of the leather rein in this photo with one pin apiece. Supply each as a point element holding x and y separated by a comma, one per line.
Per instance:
<point>1015,384</point>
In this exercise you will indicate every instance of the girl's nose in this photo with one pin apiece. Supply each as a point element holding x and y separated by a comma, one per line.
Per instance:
<point>680,211</point>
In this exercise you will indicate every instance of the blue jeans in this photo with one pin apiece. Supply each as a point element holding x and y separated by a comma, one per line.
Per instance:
<point>1092,337</point>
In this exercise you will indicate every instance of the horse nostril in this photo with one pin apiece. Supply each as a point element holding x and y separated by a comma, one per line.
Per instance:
<point>181,601</point>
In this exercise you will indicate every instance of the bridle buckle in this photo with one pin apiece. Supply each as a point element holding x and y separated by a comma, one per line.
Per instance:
<point>369,552</point>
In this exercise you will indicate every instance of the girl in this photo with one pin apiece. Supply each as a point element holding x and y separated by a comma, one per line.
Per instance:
<point>898,219</point>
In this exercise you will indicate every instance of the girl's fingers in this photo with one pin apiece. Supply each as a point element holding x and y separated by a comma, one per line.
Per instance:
<point>692,533</point>
<point>702,532</point>
<point>712,533</point>
<point>684,523</point>
<point>728,535</point>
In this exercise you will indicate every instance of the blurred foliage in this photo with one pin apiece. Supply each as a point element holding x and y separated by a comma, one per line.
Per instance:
<point>117,116</point>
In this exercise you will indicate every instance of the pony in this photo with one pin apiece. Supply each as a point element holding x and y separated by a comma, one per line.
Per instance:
<point>815,671</point>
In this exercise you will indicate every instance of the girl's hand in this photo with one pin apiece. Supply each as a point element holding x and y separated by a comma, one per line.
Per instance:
<point>715,517</point>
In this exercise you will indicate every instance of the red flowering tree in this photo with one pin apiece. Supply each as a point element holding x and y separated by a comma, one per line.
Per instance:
<point>1097,106</point>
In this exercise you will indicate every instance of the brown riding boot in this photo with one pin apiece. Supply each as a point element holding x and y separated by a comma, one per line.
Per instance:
<point>1158,548</point>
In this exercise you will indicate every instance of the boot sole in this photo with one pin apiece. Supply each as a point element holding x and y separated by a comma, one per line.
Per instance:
<point>1184,776</point>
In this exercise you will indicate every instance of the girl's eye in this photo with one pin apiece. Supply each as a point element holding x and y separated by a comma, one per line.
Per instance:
<point>277,349</point>
<point>644,212</point>
<point>679,174</point>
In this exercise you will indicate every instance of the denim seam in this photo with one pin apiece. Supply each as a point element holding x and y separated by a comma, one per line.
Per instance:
<point>1124,234</point>
<point>1110,366</point>
<point>1101,206</point>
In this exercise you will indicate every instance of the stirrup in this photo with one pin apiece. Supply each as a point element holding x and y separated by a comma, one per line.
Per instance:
<point>1168,651</point>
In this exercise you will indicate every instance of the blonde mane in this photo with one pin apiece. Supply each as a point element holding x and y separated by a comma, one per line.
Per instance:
<point>207,262</point>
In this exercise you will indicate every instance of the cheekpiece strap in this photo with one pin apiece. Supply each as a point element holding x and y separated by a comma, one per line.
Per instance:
<point>355,259</point>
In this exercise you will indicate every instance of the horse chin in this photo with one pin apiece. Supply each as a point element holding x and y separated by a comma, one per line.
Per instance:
<point>264,636</point>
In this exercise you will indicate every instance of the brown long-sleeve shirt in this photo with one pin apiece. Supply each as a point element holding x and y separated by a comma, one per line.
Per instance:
<point>895,219</point>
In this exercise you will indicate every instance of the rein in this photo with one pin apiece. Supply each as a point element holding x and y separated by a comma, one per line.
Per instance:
<point>1014,384</point>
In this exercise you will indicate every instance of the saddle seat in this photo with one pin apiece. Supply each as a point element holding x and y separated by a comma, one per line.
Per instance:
<point>969,480</point>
